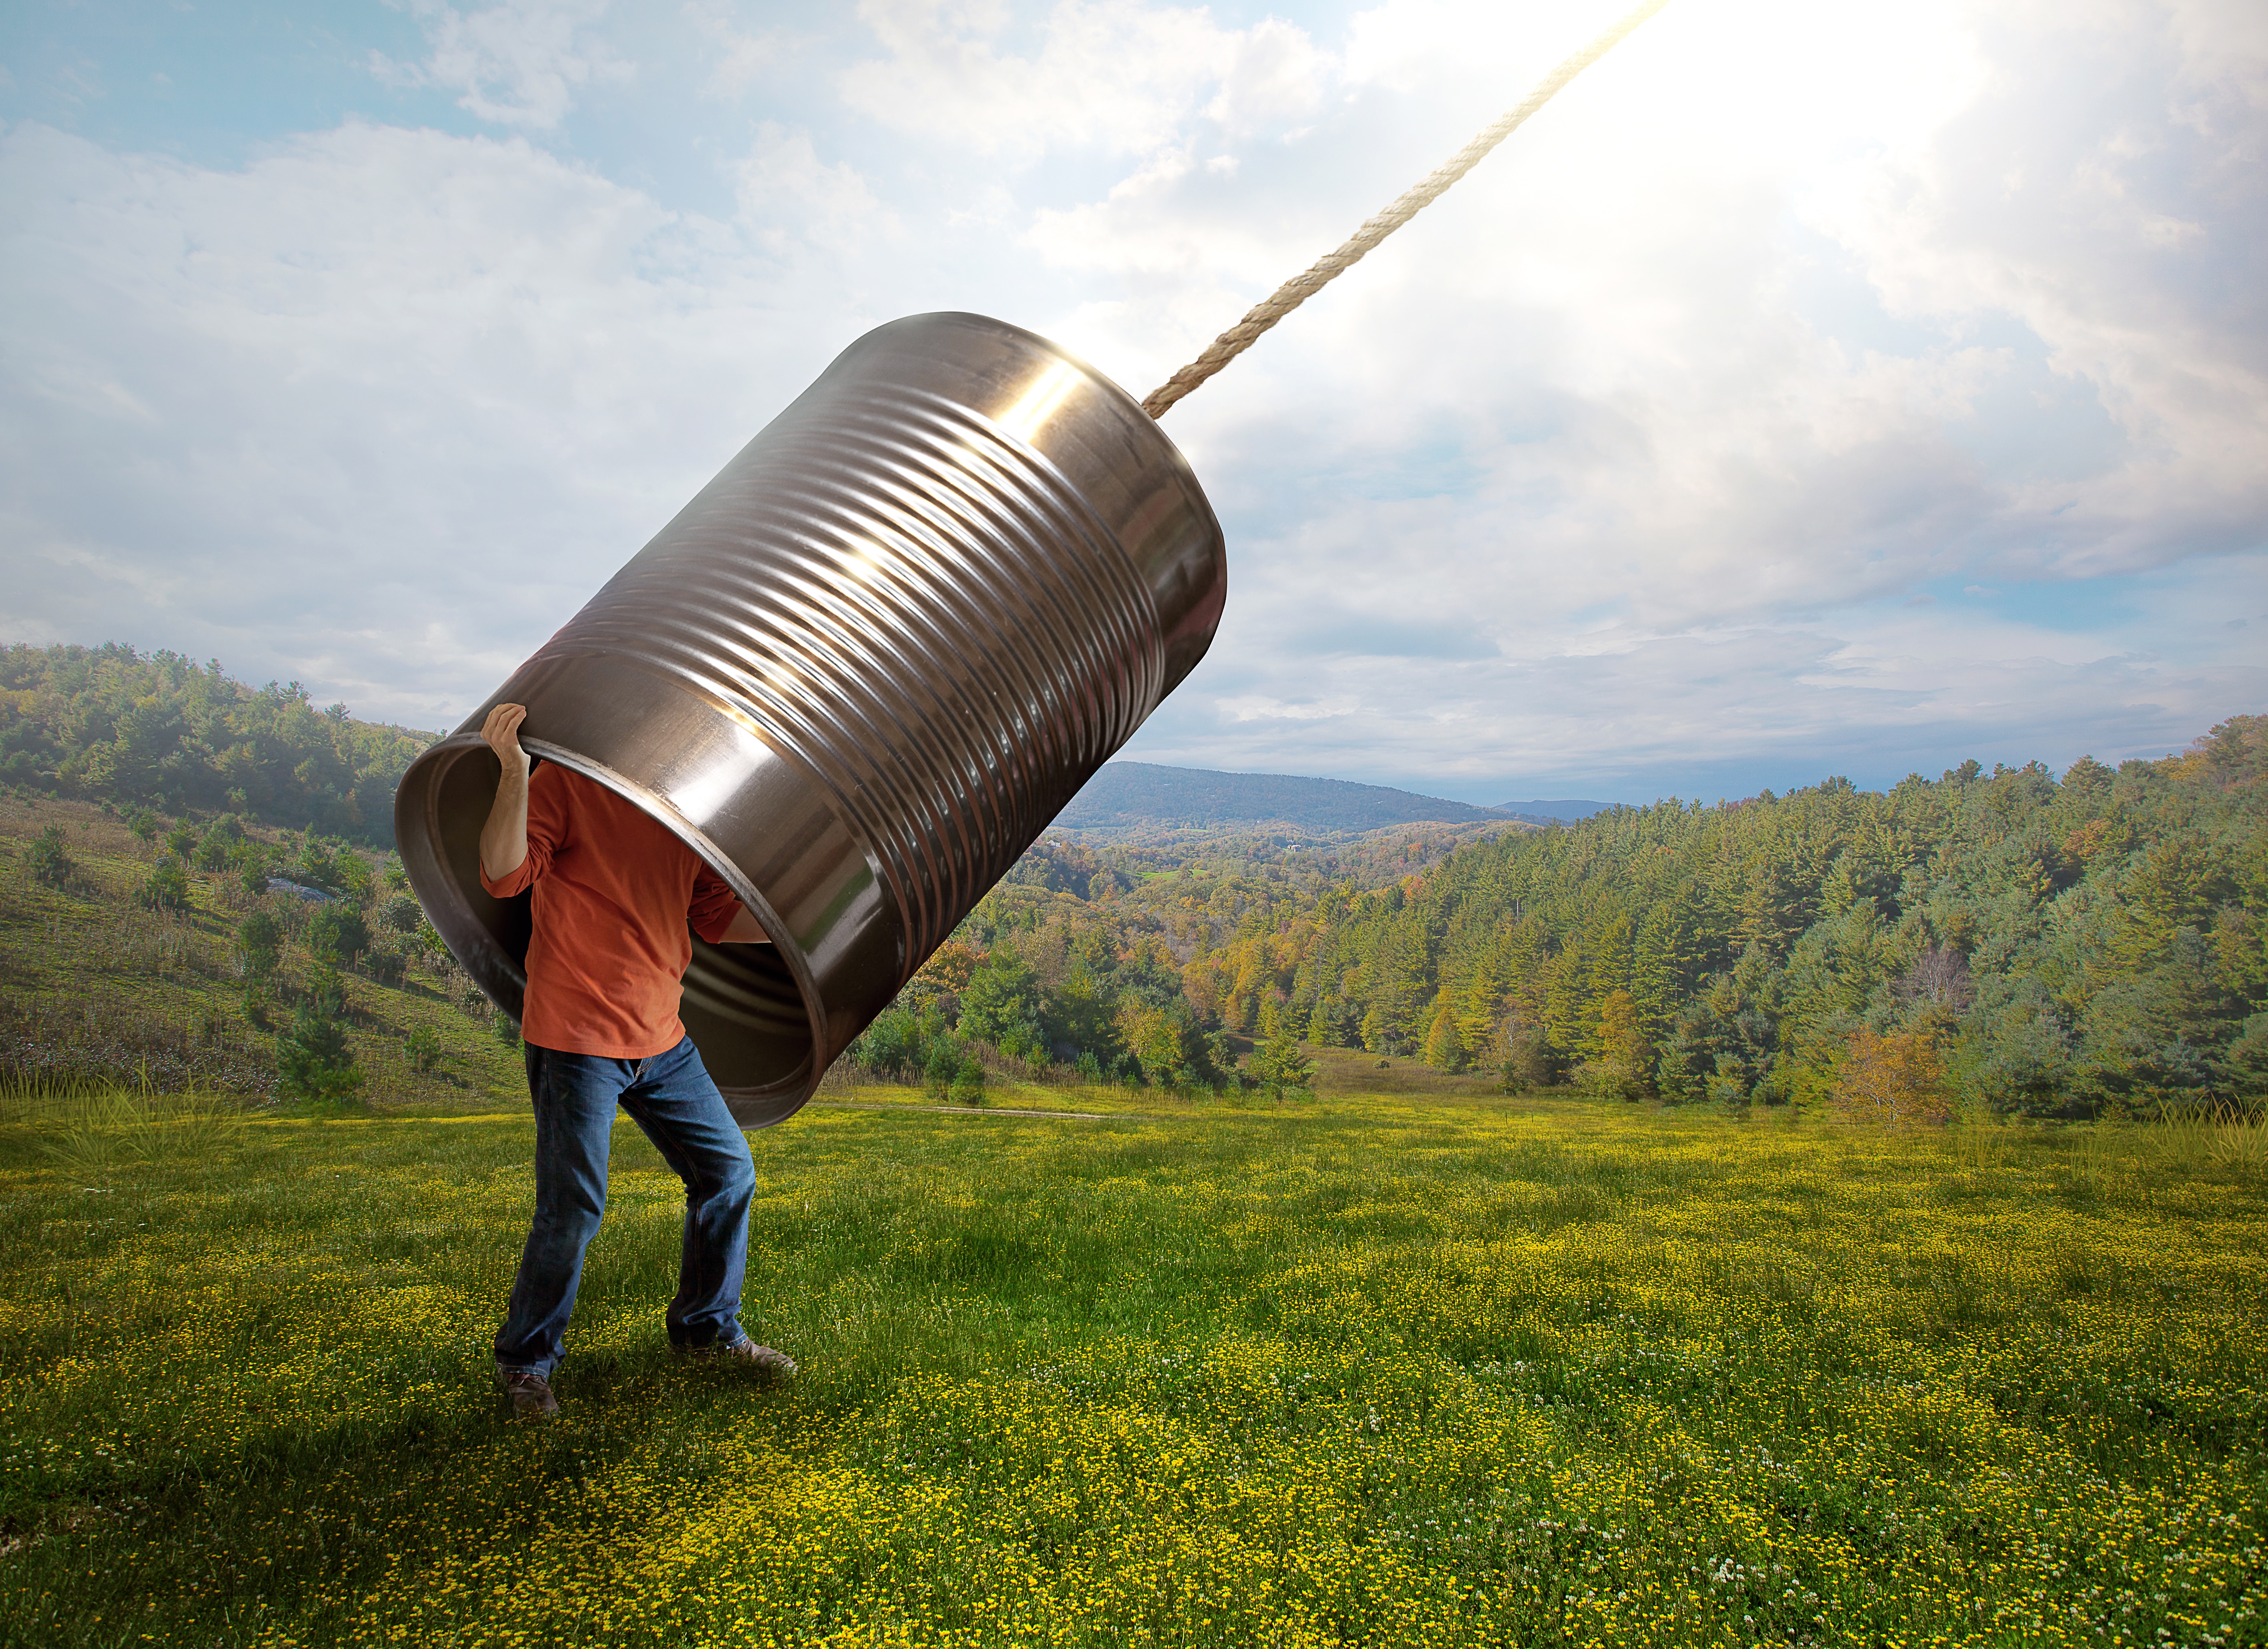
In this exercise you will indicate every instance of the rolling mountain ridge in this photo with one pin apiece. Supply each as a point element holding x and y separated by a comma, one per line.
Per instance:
<point>1127,794</point>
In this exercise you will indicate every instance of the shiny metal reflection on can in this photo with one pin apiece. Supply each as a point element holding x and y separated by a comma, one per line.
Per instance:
<point>857,675</point>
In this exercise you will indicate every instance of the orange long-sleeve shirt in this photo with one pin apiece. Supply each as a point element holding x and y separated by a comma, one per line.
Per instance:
<point>615,892</point>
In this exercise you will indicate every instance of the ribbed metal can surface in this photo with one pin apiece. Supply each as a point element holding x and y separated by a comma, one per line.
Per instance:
<point>858,675</point>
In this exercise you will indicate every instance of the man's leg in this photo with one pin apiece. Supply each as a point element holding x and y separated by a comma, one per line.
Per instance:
<point>574,1096</point>
<point>677,1105</point>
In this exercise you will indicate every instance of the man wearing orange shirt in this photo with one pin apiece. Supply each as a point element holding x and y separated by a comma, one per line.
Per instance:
<point>615,892</point>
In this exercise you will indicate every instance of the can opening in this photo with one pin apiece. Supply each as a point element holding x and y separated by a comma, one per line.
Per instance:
<point>743,1005</point>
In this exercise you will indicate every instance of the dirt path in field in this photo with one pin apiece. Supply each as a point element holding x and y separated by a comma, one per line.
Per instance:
<point>979,1110</point>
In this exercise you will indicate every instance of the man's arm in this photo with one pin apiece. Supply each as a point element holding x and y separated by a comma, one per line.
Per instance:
<point>745,930</point>
<point>503,838</point>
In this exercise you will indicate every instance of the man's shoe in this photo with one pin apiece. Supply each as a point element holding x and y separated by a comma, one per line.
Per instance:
<point>530,1394</point>
<point>743,1352</point>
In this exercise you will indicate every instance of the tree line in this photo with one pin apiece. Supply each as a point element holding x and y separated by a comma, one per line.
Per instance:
<point>160,730</point>
<point>1075,967</point>
<point>2089,944</point>
<point>2092,944</point>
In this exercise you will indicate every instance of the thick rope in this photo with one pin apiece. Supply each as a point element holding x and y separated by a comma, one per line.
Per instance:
<point>1293,293</point>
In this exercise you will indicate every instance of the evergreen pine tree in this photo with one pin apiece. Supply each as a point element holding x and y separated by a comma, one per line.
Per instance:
<point>312,1058</point>
<point>1280,1065</point>
<point>47,860</point>
<point>1444,1049</point>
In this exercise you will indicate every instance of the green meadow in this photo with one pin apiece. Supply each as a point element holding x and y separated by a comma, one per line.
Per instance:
<point>1383,1371</point>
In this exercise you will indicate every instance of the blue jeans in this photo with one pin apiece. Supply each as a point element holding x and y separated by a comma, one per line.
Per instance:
<point>671,1097</point>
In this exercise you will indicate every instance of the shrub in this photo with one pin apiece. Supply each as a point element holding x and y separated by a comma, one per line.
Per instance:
<point>507,1031</point>
<point>424,1048</point>
<point>1280,1066</point>
<point>1895,1078</point>
<point>167,887</point>
<point>402,914</point>
<point>219,842</point>
<point>967,1087</point>
<point>144,824</point>
<point>49,861</point>
<point>891,1044</point>
<point>337,934</point>
<point>181,842</point>
<point>1610,1080</point>
<point>259,947</point>
<point>385,964</point>
<point>335,867</point>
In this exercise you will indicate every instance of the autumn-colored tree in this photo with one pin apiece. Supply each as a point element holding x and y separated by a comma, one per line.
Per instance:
<point>951,967</point>
<point>1892,1079</point>
<point>1168,1042</point>
<point>1623,1068</point>
<point>1476,1005</point>
<point>1621,1037</point>
<point>1445,1048</point>
<point>1450,1035</point>
<point>1523,1054</point>
<point>1201,985</point>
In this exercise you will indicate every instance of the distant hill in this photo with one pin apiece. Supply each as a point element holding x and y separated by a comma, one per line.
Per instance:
<point>1127,794</point>
<point>125,729</point>
<point>1565,812</point>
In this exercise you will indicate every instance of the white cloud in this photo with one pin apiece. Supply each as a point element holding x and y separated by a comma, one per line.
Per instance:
<point>741,58</point>
<point>787,189</point>
<point>2092,229</point>
<point>380,410</point>
<point>521,63</point>
<point>1112,75</point>
<point>1258,707</point>
<point>1275,76</point>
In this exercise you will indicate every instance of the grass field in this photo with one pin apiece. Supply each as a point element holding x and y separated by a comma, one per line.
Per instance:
<point>1382,1370</point>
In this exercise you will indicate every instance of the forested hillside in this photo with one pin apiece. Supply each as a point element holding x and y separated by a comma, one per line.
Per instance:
<point>2092,944</point>
<point>112,725</point>
<point>1080,962</point>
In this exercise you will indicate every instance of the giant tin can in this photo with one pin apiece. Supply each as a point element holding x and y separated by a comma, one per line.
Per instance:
<point>857,675</point>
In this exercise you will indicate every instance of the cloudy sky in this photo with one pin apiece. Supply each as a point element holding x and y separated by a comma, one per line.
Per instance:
<point>1814,388</point>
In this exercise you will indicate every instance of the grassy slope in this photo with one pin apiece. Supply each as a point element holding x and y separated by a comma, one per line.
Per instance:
<point>1368,1371</point>
<point>90,981</point>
